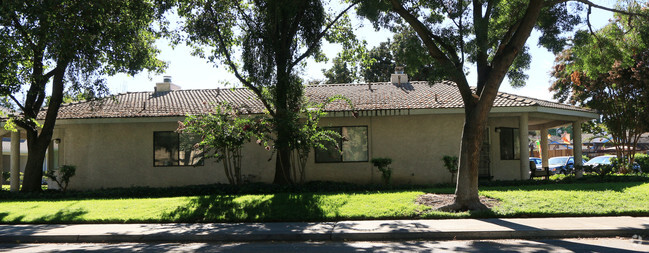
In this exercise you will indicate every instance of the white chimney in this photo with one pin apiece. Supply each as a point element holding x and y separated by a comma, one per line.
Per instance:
<point>399,77</point>
<point>166,85</point>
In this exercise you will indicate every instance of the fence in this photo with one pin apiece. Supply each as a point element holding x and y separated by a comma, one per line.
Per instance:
<point>555,153</point>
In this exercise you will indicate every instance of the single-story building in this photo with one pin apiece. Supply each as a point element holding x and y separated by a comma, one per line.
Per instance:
<point>129,139</point>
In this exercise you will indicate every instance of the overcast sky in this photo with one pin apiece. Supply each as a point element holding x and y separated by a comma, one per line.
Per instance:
<point>195,73</point>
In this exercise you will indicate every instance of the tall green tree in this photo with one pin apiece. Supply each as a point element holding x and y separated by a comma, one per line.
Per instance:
<point>381,64</point>
<point>490,34</point>
<point>263,43</point>
<point>67,43</point>
<point>609,72</point>
<point>378,63</point>
<point>340,72</point>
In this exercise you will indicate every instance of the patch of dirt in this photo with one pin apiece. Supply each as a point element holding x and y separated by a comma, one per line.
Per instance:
<point>439,200</point>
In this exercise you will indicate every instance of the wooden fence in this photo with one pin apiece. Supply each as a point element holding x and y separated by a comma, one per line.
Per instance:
<point>555,153</point>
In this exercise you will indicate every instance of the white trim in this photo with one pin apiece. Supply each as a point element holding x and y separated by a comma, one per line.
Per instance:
<point>542,109</point>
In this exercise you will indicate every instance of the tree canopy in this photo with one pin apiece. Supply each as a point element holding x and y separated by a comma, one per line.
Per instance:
<point>491,35</point>
<point>69,43</point>
<point>378,63</point>
<point>263,43</point>
<point>608,71</point>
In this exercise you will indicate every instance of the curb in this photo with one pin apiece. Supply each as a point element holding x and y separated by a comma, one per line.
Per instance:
<point>371,230</point>
<point>323,237</point>
<point>490,235</point>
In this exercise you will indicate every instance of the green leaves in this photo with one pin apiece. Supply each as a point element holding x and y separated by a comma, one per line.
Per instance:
<point>84,39</point>
<point>608,71</point>
<point>378,63</point>
<point>226,130</point>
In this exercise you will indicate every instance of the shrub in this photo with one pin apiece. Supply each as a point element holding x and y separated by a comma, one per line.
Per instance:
<point>382,165</point>
<point>643,161</point>
<point>223,134</point>
<point>604,169</point>
<point>450,162</point>
<point>62,175</point>
<point>5,176</point>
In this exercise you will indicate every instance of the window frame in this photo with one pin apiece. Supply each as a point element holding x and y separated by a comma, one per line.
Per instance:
<point>367,131</point>
<point>201,163</point>
<point>514,135</point>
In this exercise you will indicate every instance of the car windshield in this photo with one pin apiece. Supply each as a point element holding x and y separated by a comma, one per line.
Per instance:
<point>537,161</point>
<point>600,160</point>
<point>558,160</point>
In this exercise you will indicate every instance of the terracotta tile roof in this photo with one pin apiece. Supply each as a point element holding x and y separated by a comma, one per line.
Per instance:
<point>365,97</point>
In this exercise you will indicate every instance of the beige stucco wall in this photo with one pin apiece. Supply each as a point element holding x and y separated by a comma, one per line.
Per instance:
<point>111,155</point>
<point>121,155</point>
<point>415,143</point>
<point>502,169</point>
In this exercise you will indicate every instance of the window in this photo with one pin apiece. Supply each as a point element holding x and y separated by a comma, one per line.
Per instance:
<point>353,148</point>
<point>174,149</point>
<point>509,144</point>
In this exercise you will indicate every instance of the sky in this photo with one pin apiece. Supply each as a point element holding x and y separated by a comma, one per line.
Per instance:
<point>192,72</point>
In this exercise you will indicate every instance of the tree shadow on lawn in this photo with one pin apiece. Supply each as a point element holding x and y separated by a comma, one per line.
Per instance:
<point>61,216</point>
<point>224,208</point>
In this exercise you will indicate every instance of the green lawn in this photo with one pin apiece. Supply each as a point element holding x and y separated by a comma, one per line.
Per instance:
<point>585,199</point>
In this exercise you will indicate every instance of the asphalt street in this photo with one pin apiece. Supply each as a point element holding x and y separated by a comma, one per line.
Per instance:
<point>563,245</point>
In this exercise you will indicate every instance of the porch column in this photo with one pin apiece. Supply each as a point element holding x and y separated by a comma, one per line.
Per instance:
<point>544,147</point>
<point>576,147</point>
<point>524,146</point>
<point>15,161</point>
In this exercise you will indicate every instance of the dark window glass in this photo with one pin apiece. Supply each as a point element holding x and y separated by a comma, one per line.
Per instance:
<point>509,144</point>
<point>354,147</point>
<point>331,153</point>
<point>189,153</point>
<point>174,149</point>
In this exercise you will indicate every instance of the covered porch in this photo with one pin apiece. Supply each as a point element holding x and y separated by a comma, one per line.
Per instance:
<point>540,119</point>
<point>13,155</point>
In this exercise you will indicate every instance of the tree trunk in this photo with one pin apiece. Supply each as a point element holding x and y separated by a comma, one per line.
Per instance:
<point>282,166</point>
<point>37,143</point>
<point>466,190</point>
<point>35,157</point>
<point>283,124</point>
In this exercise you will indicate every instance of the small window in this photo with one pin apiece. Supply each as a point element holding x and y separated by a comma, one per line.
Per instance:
<point>352,149</point>
<point>509,144</point>
<point>174,149</point>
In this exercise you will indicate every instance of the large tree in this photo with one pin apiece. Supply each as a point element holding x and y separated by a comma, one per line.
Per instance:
<point>490,34</point>
<point>609,71</point>
<point>378,63</point>
<point>263,43</point>
<point>67,43</point>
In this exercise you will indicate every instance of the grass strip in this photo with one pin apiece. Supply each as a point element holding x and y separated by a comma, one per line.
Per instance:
<point>592,199</point>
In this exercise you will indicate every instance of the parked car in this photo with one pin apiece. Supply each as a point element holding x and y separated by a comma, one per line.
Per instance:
<point>607,160</point>
<point>604,159</point>
<point>538,162</point>
<point>561,164</point>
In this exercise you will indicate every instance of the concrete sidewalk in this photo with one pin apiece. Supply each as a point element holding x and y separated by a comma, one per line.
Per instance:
<point>378,230</point>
